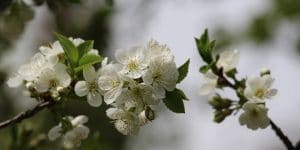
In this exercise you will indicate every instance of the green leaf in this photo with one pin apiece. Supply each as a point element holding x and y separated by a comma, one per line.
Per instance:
<point>203,69</point>
<point>85,47</point>
<point>174,101</point>
<point>183,70</point>
<point>205,47</point>
<point>181,94</point>
<point>88,59</point>
<point>69,49</point>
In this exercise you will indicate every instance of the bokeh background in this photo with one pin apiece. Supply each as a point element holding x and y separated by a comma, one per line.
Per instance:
<point>266,33</point>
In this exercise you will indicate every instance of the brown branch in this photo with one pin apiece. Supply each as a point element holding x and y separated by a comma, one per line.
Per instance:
<point>27,114</point>
<point>282,137</point>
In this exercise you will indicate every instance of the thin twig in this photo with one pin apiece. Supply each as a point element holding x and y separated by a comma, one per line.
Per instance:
<point>27,114</point>
<point>282,137</point>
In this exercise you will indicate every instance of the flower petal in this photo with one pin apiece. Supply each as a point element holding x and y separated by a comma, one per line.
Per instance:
<point>81,119</point>
<point>54,133</point>
<point>94,99</point>
<point>89,74</point>
<point>81,88</point>
<point>15,81</point>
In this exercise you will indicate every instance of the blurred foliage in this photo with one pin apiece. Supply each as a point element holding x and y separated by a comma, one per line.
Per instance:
<point>262,27</point>
<point>72,18</point>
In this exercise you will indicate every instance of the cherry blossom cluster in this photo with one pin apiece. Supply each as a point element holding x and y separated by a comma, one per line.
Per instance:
<point>252,92</point>
<point>132,86</point>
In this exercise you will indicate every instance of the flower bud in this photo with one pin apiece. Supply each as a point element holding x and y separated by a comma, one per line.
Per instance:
<point>150,114</point>
<point>221,115</point>
<point>219,103</point>
<point>55,95</point>
<point>265,71</point>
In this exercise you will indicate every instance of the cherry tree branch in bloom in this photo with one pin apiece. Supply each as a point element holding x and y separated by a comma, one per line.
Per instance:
<point>27,114</point>
<point>282,136</point>
<point>275,128</point>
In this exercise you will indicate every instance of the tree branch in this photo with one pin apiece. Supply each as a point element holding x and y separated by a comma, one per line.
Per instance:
<point>282,137</point>
<point>27,114</point>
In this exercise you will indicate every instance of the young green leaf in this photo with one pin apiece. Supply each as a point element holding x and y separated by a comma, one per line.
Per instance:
<point>183,70</point>
<point>181,94</point>
<point>205,47</point>
<point>174,101</point>
<point>203,69</point>
<point>85,47</point>
<point>69,49</point>
<point>88,59</point>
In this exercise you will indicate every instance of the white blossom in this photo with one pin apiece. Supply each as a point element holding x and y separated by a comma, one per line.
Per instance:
<point>162,74</point>
<point>259,88</point>
<point>210,84</point>
<point>89,87</point>
<point>52,52</point>
<point>52,78</point>
<point>125,122</point>
<point>134,61</point>
<point>228,60</point>
<point>72,137</point>
<point>255,116</point>
<point>155,49</point>
<point>110,82</point>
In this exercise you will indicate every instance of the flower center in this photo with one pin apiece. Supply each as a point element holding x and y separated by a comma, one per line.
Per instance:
<point>53,83</point>
<point>133,64</point>
<point>93,86</point>
<point>115,83</point>
<point>260,93</point>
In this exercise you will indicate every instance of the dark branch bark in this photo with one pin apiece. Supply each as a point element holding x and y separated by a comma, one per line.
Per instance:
<point>27,114</point>
<point>282,137</point>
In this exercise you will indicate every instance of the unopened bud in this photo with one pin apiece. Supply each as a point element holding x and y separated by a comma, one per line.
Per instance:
<point>55,95</point>
<point>29,86</point>
<point>265,71</point>
<point>150,114</point>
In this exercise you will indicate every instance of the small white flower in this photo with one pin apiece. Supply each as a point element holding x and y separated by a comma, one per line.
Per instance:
<point>73,137</point>
<point>89,87</point>
<point>52,78</point>
<point>228,60</point>
<point>52,52</point>
<point>155,49</point>
<point>259,88</point>
<point>29,71</point>
<point>111,83</point>
<point>162,74</point>
<point>255,116</point>
<point>134,61</point>
<point>125,122</point>
<point>210,85</point>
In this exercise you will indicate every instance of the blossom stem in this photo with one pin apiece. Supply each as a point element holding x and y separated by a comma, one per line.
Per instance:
<point>282,137</point>
<point>27,114</point>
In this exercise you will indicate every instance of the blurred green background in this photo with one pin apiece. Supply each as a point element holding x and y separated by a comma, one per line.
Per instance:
<point>92,20</point>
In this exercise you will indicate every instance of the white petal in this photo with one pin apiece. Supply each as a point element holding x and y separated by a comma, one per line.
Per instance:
<point>114,113</point>
<point>81,119</point>
<point>105,83</point>
<point>64,79</point>
<point>54,133</point>
<point>159,91</point>
<point>271,93</point>
<point>112,95</point>
<point>147,78</point>
<point>121,56</point>
<point>82,131</point>
<point>207,88</point>
<point>94,99</point>
<point>89,74</point>
<point>15,81</point>
<point>81,88</point>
